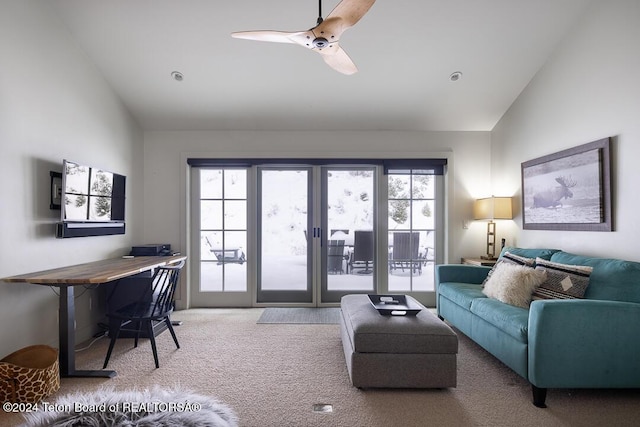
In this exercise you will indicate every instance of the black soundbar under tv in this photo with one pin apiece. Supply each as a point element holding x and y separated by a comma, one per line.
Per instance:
<point>84,229</point>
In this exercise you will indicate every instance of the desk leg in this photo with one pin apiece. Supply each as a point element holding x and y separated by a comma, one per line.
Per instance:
<point>67,338</point>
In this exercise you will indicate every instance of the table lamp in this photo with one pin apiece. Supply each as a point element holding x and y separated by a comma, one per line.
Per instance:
<point>492,208</point>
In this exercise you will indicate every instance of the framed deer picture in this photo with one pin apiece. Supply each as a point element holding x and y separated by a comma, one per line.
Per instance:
<point>569,190</point>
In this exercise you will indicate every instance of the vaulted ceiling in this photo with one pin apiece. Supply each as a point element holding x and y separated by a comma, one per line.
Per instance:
<point>405,50</point>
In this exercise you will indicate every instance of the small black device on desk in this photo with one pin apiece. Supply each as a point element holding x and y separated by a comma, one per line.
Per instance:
<point>156,249</point>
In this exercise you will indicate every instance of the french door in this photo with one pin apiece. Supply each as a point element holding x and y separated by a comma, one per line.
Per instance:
<point>309,234</point>
<point>308,218</point>
<point>221,236</point>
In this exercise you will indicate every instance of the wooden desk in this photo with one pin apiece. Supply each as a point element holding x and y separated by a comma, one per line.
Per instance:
<point>66,278</point>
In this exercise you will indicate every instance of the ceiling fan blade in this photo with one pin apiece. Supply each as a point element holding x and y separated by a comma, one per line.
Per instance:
<point>267,36</point>
<point>337,58</point>
<point>350,11</point>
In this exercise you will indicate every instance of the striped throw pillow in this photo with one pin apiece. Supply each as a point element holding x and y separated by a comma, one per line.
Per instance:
<point>564,281</point>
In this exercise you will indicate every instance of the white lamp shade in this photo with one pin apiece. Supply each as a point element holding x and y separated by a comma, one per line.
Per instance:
<point>493,208</point>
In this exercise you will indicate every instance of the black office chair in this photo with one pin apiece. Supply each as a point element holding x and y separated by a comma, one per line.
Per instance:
<point>155,306</point>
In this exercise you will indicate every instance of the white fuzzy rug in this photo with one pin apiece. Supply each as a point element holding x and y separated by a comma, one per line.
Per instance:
<point>147,408</point>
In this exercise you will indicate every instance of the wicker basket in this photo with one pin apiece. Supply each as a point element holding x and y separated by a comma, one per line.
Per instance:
<point>29,374</point>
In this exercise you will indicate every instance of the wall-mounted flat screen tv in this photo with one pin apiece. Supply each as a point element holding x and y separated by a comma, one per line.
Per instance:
<point>93,200</point>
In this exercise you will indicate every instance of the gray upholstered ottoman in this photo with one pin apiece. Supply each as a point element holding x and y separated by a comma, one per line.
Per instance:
<point>396,351</point>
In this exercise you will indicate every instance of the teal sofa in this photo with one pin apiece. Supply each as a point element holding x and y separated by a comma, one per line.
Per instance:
<point>562,343</point>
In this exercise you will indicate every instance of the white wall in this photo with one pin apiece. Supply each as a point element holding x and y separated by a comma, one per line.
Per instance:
<point>165,170</point>
<point>588,90</point>
<point>54,104</point>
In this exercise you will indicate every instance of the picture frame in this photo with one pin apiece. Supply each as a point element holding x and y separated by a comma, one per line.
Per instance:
<point>569,190</point>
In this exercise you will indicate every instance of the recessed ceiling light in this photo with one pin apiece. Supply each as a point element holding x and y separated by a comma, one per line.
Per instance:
<point>177,76</point>
<point>455,76</point>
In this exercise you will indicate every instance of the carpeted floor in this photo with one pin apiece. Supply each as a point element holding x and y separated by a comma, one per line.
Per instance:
<point>274,374</point>
<point>322,315</point>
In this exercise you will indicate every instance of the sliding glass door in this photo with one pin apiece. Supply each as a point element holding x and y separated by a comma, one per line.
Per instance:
<point>313,250</point>
<point>307,234</point>
<point>348,246</point>
<point>285,233</point>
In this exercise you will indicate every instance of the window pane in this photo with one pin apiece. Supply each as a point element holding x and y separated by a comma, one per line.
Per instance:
<point>211,184</point>
<point>235,277</point>
<point>422,212</point>
<point>210,241</point>
<point>235,214</point>
<point>399,214</point>
<point>210,277</point>
<point>399,186</point>
<point>235,184</point>
<point>350,245</point>
<point>211,214</point>
<point>235,243</point>
<point>284,224</point>
<point>423,186</point>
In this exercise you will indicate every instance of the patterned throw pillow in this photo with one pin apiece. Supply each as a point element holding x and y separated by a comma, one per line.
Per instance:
<point>564,281</point>
<point>514,284</point>
<point>509,258</point>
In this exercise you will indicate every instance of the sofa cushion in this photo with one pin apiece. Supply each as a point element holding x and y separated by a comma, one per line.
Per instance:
<point>564,281</point>
<point>508,318</point>
<point>611,279</point>
<point>514,284</point>
<point>529,253</point>
<point>460,293</point>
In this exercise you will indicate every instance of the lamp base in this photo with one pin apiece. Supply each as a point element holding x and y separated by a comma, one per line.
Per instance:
<point>489,258</point>
<point>491,241</point>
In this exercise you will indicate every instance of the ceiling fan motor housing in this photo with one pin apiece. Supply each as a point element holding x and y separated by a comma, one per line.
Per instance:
<point>320,42</point>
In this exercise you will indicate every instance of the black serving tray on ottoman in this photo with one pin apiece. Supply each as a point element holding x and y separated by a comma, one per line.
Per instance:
<point>395,305</point>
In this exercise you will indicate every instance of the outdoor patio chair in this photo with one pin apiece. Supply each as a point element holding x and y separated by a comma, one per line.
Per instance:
<point>335,256</point>
<point>406,252</point>
<point>362,256</point>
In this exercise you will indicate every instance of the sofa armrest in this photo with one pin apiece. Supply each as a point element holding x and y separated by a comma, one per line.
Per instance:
<point>584,344</point>
<point>461,273</point>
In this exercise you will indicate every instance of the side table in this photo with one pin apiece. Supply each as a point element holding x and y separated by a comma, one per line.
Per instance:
<point>479,261</point>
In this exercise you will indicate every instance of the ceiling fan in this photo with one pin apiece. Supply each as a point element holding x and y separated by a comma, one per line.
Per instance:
<point>324,38</point>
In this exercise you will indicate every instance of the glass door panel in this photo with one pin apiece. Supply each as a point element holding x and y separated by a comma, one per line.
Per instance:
<point>220,212</point>
<point>411,236</point>
<point>348,249</point>
<point>284,201</point>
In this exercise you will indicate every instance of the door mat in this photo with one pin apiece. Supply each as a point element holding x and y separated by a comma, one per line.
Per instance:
<point>301,315</point>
